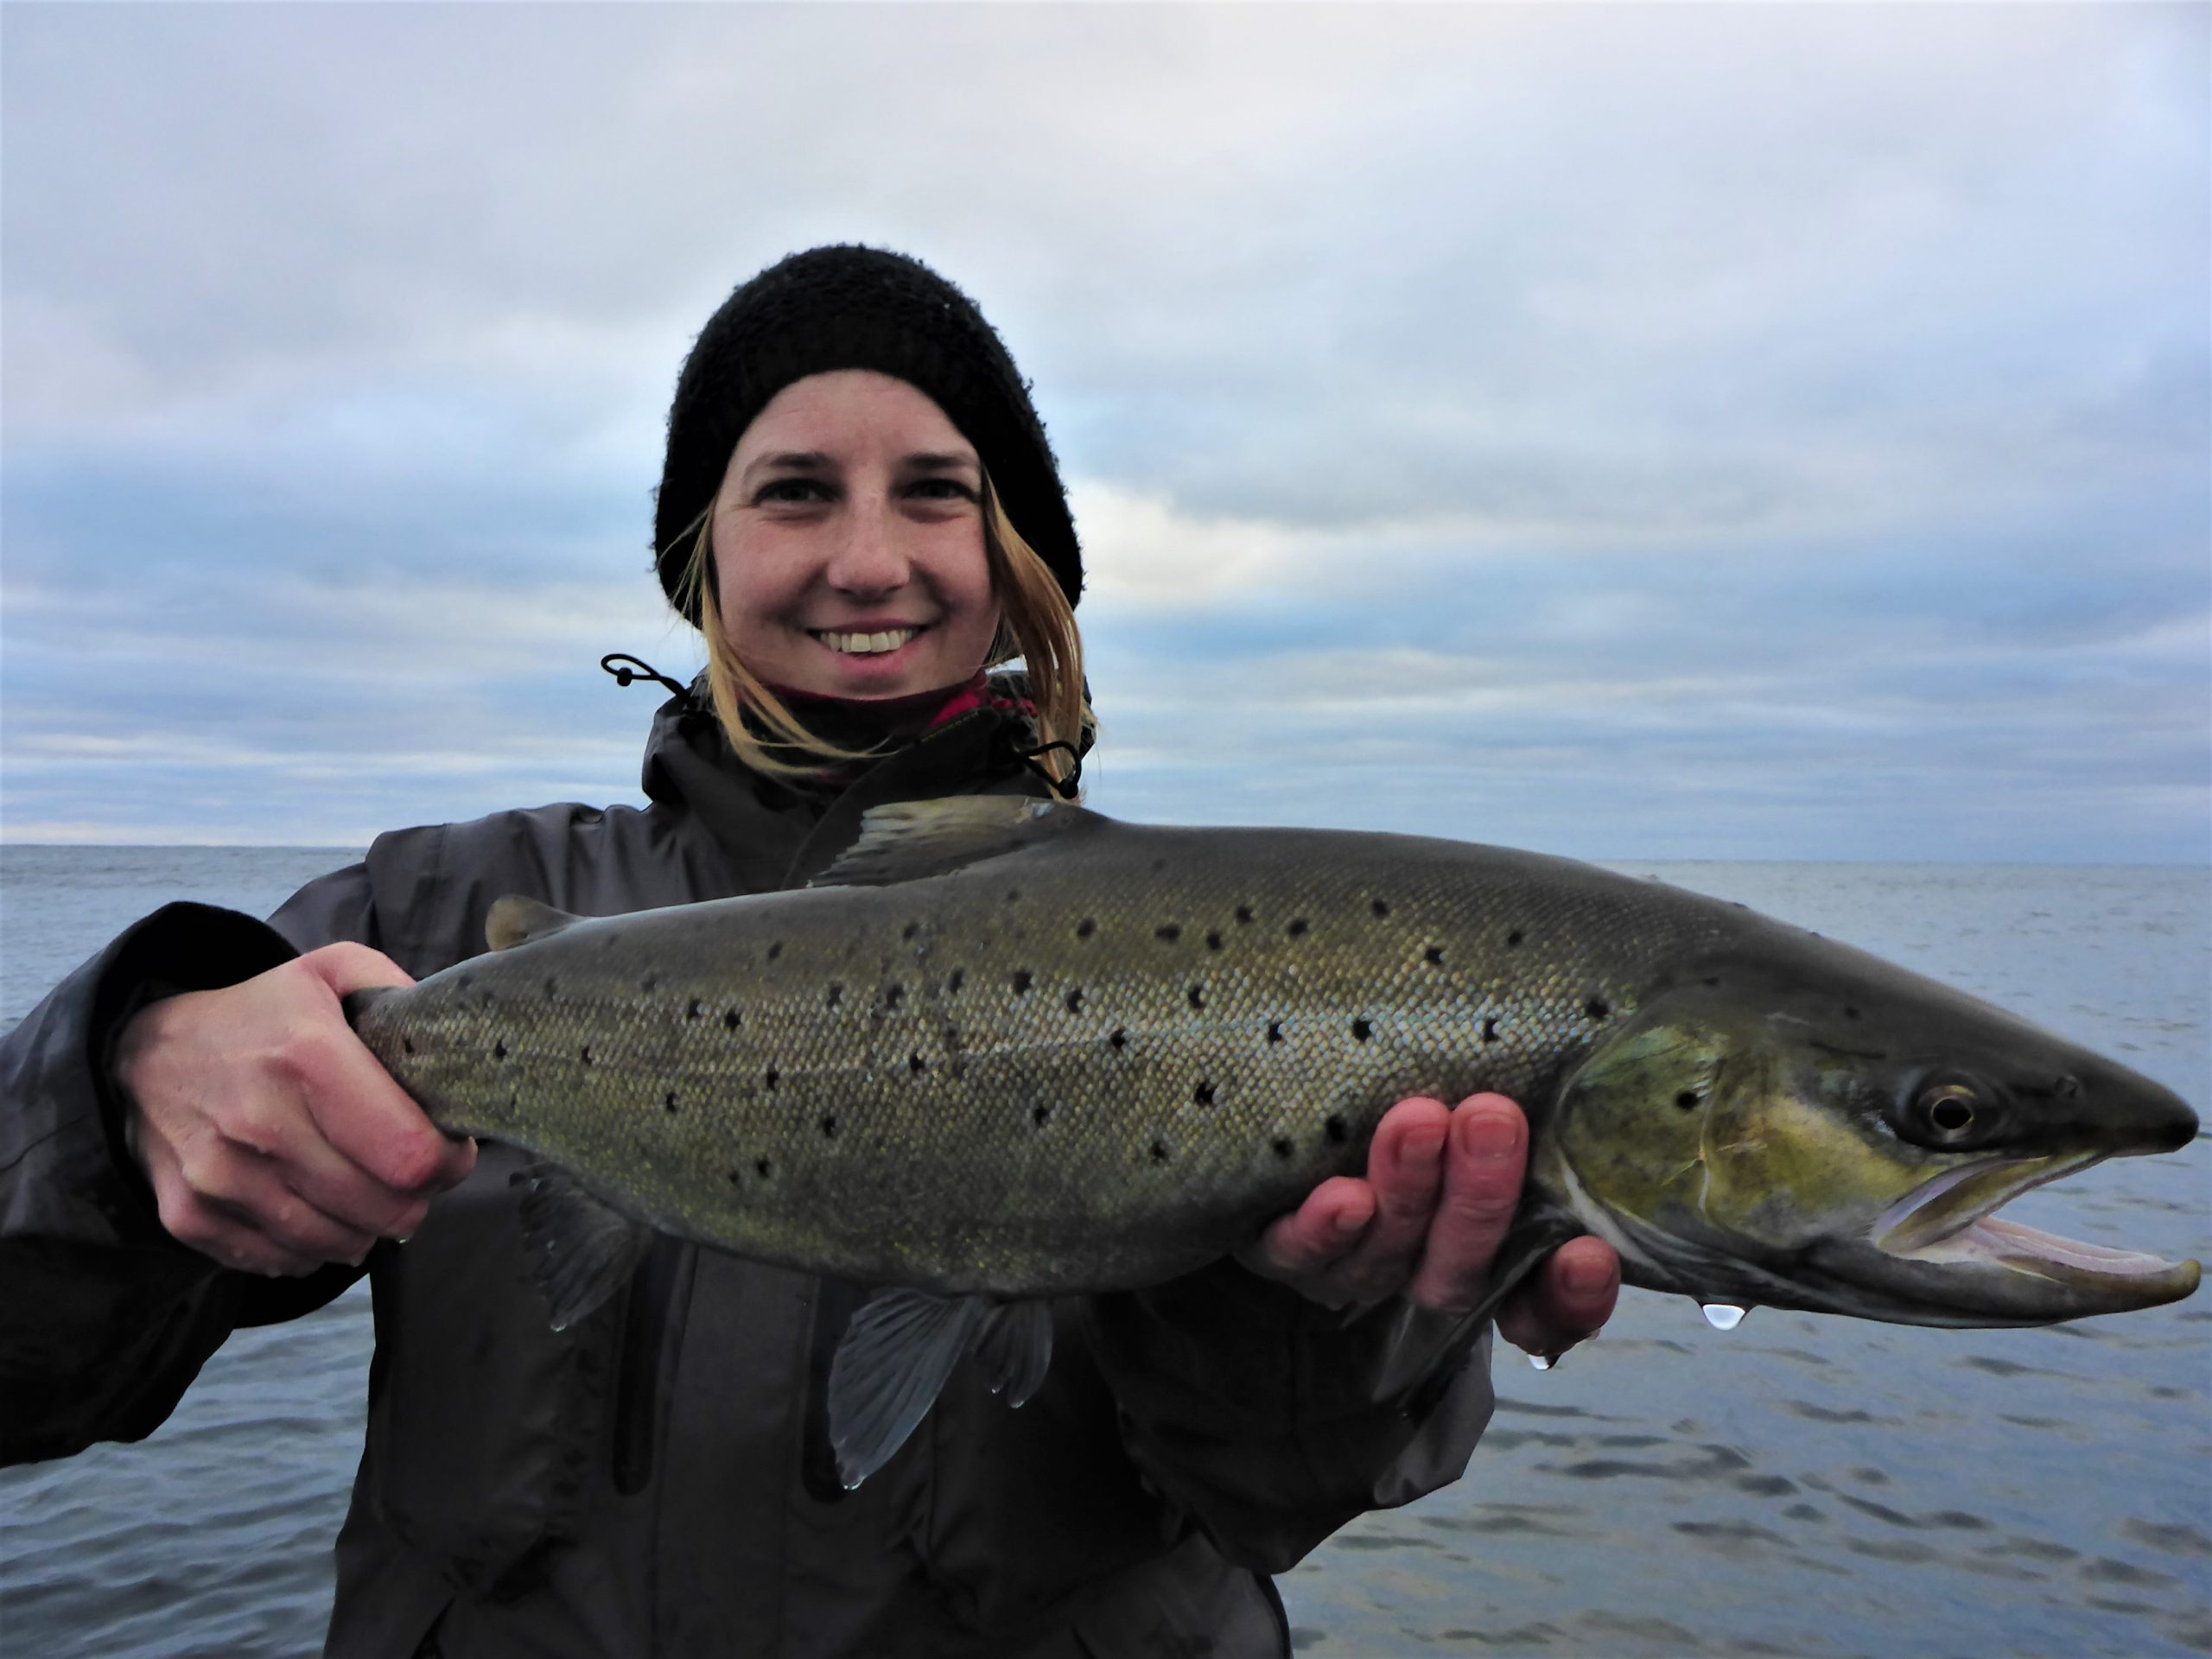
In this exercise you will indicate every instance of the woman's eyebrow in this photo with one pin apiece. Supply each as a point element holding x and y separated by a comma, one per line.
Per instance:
<point>926,461</point>
<point>793,460</point>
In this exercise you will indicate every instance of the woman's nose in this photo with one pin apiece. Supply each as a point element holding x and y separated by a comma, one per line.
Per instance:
<point>869,559</point>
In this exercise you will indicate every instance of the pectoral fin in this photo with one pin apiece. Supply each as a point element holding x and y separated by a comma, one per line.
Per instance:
<point>581,1249</point>
<point>896,1353</point>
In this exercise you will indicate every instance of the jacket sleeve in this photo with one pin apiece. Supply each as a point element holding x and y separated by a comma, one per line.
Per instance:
<point>1271,1421</point>
<point>105,1318</point>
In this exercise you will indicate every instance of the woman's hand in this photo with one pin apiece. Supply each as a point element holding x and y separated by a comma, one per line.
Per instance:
<point>1442,1184</point>
<point>273,1140</point>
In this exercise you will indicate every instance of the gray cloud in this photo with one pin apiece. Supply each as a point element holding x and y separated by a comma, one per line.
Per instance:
<point>1656,430</point>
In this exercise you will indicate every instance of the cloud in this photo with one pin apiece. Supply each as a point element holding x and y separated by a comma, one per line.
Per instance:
<point>1687,427</point>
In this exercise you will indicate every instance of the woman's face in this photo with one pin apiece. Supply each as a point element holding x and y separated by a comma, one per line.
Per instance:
<point>848,540</point>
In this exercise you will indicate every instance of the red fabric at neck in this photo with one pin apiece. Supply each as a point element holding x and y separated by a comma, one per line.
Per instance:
<point>920,711</point>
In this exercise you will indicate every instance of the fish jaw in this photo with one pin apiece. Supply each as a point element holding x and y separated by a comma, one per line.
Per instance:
<point>1949,1225</point>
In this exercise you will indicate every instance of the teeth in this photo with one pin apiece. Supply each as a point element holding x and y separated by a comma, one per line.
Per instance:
<point>866,644</point>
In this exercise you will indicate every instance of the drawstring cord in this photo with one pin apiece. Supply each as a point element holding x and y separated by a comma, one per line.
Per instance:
<point>640,670</point>
<point>1066,788</point>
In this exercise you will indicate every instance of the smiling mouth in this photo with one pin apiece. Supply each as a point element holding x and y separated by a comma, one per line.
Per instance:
<point>877,644</point>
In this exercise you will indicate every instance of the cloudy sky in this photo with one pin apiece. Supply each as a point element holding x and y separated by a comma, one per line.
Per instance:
<point>1722,431</point>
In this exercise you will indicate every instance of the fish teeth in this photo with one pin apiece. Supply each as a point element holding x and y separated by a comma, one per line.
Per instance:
<point>865,644</point>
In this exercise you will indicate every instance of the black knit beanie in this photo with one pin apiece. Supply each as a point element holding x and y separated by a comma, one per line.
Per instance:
<point>855,308</point>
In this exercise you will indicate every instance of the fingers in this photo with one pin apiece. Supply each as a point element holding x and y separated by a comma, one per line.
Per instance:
<point>1404,1166</point>
<point>233,1205</point>
<point>1356,1241</point>
<point>1481,1190</point>
<point>1572,1298</point>
<point>273,1140</point>
<point>1306,1243</point>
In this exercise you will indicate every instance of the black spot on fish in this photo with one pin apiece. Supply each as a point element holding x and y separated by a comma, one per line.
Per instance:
<point>893,994</point>
<point>464,981</point>
<point>1074,999</point>
<point>1689,1100</point>
<point>1157,864</point>
<point>1489,1031</point>
<point>1284,1146</point>
<point>1243,913</point>
<point>1023,979</point>
<point>669,1102</point>
<point>1167,932</point>
<point>587,1054</point>
<point>1712,981</point>
<point>1040,1115</point>
<point>770,1078</point>
<point>1119,1039</point>
<point>1379,908</point>
<point>499,1050</point>
<point>1275,1031</point>
<point>1198,995</point>
<point>1297,928</point>
<point>408,1043</point>
<point>734,1178</point>
<point>916,1064</point>
<point>763,1168</point>
<point>1850,1012</point>
<point>1433,956</point>
<point>910,929</point>
<point>1160,1152</point>
<point>956,979</point>
<point>1597,1009</point>
<point>829,1126</point>
<point>775,950</point>
<point>1513,938</point>
<point>693,1011</point>
<point>1339,1130</point>
<point>1085,928</point>
<point>837,996</point>
<point>1013,895</point>
<point>1213,941</point>
<point>1360,1031</point>
<point>1203,1094</point>
<point>649,981</point>
<point>551,988</point>
<point>732,1020</point>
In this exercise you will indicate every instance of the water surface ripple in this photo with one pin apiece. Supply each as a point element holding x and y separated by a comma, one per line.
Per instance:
<point>1802,1486</point>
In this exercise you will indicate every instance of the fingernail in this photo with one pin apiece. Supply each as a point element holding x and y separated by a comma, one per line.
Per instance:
<point>1492,1140</point>
<point>1421,1146</point>
<point>1587,1278</point>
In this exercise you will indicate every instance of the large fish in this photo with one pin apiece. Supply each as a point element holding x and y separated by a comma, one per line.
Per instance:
<point>1006,1050</point>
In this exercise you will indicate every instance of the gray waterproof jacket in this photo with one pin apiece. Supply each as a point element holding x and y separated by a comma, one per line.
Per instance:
<point>649,1482</point>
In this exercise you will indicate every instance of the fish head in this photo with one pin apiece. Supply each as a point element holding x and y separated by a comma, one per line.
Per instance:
<point>1833,1134</point>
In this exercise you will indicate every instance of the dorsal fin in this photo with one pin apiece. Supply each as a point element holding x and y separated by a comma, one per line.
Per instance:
<point>908,840</point>
<point>516,920</point>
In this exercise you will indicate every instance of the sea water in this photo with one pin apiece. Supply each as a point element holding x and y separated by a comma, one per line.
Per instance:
<point>1798,1486</point>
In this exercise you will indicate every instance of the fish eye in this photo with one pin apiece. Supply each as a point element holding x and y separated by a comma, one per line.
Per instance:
<point>1950,1110</point>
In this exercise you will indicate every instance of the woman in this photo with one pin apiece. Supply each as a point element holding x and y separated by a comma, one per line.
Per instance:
<point>860,510</point>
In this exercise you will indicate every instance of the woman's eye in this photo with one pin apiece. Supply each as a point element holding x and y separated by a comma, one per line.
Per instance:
<point>791,490</point>
<point>943,489</point>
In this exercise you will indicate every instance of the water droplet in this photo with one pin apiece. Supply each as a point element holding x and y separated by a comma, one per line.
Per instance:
<point>1723,1316</point>
<point>1541,1362</point>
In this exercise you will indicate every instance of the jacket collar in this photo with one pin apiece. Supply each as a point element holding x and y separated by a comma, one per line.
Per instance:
<point>777,835</point>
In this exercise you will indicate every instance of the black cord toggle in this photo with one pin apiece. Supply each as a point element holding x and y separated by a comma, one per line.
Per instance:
<point>643,669</point>
<point>1066,788</point>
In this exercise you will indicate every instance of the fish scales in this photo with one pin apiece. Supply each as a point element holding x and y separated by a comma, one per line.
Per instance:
<point>1067,1067</point>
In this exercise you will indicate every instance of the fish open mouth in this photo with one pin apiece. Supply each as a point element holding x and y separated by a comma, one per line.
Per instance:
<point>1949,1220</point>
